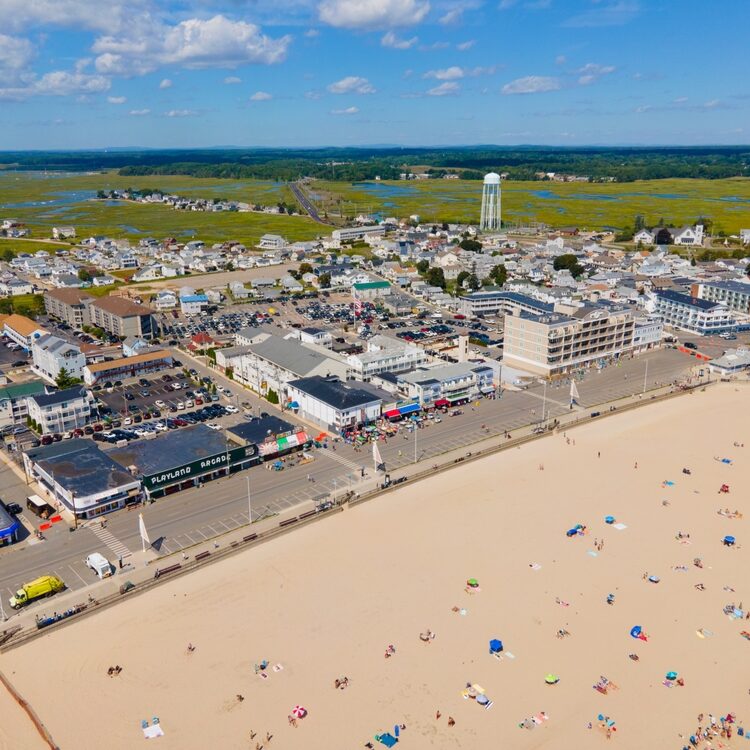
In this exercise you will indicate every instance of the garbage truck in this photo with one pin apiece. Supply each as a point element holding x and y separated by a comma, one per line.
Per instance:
<point>38,588</point>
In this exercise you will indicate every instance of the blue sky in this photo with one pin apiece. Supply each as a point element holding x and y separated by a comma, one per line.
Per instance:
<point>94,74</point>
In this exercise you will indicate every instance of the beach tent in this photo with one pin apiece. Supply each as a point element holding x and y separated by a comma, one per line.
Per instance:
<point>636,631</point>
<point>728,541</point>
<point>552,679</point>
<point>386,739</point>
<point>609,519</point>
<point>671,675</point>
<point>496,646</point>
<point>473,583</point>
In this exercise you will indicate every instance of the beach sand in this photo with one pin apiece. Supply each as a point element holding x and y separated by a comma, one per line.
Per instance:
<point>326,601</point>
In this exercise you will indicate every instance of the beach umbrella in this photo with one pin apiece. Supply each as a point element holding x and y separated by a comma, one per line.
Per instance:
<point>299,712</point>
<point>472,582</point>
<point>552,679</point>
<point>482,700</point>
<point>671,675</point>
<point>654,579</point>
<point>609,519</point>
<point>729,540</point>
<point>496,646</point>
<point>635,631</point>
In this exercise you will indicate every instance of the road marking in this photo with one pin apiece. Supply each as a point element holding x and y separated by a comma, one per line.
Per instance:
<point>110,540</point>
<point>165,546</point>
<point>85,583</point>
<point>224,525</point>
<point>344,461</point>
<point>198,531</point>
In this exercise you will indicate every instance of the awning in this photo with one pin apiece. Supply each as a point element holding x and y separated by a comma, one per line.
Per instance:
<point>442,402</point>
<point>487,388</point>
<point>409,409</point>
<point>458,397</point>
<point>392,414</point>
<point>293,405</point>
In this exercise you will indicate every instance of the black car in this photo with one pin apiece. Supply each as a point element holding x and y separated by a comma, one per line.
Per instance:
<point>19,363</point>
<point>13,508</point>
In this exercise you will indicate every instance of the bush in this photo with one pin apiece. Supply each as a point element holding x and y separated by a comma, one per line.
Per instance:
<point>272,397</point>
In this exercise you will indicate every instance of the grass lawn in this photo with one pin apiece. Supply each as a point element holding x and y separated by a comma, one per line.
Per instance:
<point>17,246</point>
<point>61,199</point>
<point>586,205</point>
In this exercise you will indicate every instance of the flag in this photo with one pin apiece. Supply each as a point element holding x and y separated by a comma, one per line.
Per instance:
<point>142,529</point>
<point>573,392</point>
<point>379,465</point>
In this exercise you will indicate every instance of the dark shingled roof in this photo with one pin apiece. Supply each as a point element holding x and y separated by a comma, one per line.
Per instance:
<point>333,392</point>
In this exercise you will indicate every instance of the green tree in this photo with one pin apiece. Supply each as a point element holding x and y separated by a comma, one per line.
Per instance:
<point>473,282</point>
<point>65,380</point>
<point>423,266</point>
<point>305,268</point>
<point>569,262</point>
<point>663,237</point>
<point>324,281</point>
<point>471,245</point>
<point>84,274</point>
<point>499,274</point>
<point>638,223</point>
<point>7,255</point>
<point>435,277</point>
<point>461,278</point>
<point>272,397</point>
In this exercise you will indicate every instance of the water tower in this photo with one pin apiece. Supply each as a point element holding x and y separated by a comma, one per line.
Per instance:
<point>490,218</point>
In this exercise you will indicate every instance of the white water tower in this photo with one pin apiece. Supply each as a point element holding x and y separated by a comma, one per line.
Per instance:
<point>490,217</point>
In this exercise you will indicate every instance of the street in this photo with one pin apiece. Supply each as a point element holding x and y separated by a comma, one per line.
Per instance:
<point>178,521</point>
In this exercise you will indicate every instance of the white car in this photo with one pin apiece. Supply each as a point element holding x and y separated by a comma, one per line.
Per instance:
<point>232,409</point>
<point>214,426</point>
<point>180,405</point>
<point>127,421</point>
<point>160,404</point>
<point>188,404</point>
<point>161,427</point>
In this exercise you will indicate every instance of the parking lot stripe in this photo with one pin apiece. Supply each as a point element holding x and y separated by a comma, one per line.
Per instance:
<point>85,583</point>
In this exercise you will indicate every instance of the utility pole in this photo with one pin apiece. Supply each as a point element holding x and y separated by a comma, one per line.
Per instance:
<point>416,429</point>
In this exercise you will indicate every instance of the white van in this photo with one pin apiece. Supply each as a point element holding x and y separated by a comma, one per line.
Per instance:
<point>99,564</point>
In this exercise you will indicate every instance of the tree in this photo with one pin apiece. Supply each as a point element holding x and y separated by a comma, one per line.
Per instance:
<point>663,237</point>
<point>462,277</point>
<point>472,246</point>
<point>569,262</point>
<point>499,274</point>
<point>7,255</point>
<point>423,266</point>
<point>638,223</point>
<point>305,268</point>
<point>435,277</point>
<point>84,275</point>
<point>324,280</point>
<point>272,397</point>
<point>473,282</point>
<point>65,380</point>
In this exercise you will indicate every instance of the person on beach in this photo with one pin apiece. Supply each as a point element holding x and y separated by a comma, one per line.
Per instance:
<point>451,721</point>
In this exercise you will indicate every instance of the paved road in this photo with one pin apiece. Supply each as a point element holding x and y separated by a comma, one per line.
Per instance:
<point>183,519</point>
<point>305,203</point>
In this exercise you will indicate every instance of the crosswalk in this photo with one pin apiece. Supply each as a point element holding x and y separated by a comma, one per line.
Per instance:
<point>343,461</point>
<point>110,540</point>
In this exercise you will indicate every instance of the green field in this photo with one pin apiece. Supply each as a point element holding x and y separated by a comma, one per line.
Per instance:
<point>586,205</point>
<point>43,201</point>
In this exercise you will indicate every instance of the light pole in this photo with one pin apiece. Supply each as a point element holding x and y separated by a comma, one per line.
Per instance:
<point>645,377</point>
<point>544,401</point>
<point>415,441</point>
<point>249,504</point>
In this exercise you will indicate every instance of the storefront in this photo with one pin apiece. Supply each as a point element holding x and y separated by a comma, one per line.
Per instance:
<point>10,528</point>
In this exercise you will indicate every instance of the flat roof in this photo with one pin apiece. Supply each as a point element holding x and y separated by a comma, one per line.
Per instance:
<point>333,392</point>
<point>171,449</point>
<point>127,361</point>
<point>81,467</point>
<point>686,299</point>
<point>259,429</point>
<point>19,390</point>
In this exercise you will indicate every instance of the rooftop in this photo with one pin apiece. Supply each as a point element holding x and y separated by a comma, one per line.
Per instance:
<point>686,299</point>
<point>20,390</point>
<point>258,429</point>
<point>69,296</point>
<point>22,325</point>
<point>290,355</point>
<point>120,306</point>
<point>126,361</point>
<point>333,392</point>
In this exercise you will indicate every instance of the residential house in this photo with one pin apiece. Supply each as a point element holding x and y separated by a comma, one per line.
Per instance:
<point>63,233</point>
<point>61,411</point>
<point>13,406</point>
<point>52,354</point>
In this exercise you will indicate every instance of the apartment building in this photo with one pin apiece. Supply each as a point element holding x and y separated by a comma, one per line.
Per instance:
<point>554,344</point>
<point>68,305</point>
<point>497,302</point>
<point>22,330</point>
<point>448,385</point>
<point>357,233</point>
<point>52,354</point>
<point>734,294</point>
<point>386,355</point>
<point>122,317</point>
<point>13,406</point>
<point>61,411</point>
<point>692,313</point>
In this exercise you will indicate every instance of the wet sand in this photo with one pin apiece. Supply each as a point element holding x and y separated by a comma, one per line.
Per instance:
<point>326,600</point>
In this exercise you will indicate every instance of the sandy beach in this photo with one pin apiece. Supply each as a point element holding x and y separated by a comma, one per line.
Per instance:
<point>327,600</point>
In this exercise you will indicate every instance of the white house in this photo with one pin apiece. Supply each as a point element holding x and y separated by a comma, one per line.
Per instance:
<point>745,236</point>
<point>193,304</point>
<point>52,354</point>
<point>683,236</point>
<point>63,233</point>
<point>61,411</point>
<point>165,301</point>
<point>272,242</point>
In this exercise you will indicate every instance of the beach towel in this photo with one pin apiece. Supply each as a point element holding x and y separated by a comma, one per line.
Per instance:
<point>592,553</point>
<point>278,667</point>
<point>151,733</point>
<point>619,526</point>
<point>535,566</point>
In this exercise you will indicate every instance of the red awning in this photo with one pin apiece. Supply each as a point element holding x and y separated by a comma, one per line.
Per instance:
<point>442,402</point>
<point>392,414</point>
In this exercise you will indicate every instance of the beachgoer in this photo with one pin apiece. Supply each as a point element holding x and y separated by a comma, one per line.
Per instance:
<point>451,721</point>
<point>269,736</point>
<point>240,698</point>
<point>438,714</point>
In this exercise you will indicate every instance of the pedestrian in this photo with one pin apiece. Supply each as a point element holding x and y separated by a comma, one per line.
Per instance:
<point>438,714</point>
<point>636,465</point>
<point>451,721</point>
<point>269,736</point>
<point>598,454</point>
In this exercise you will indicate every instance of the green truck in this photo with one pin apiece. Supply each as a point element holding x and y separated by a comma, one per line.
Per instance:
<point>38,588</point>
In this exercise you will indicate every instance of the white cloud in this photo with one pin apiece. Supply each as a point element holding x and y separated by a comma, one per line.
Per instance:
<point>467,45</point>
<point>260,96</point>
<point>561,60</point>
<point>116,99</point>
<point>451,17</point>
<point>313,95</point>
<point>312,33</point>
<point>394,42</point>
<point>606,14</point>
<point>680,100</point>
<point>444,89</point>
<point>15,56</point>
<point>180,113</point>
<point>139,112</point>
<point>712,104</point>
<point>531,85</point>
<point>231,80</point>
<point>373,14</point>
<point>85,14</point>
<point>347,111</point>
<point>166,83</point>
<point>446,74</point>
<point>592,72</point>
<point>352,85</point>
<point>55,83</point>
<point>216,42</point>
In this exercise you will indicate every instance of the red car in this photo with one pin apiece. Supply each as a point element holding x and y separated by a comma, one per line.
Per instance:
<point>98,427</point>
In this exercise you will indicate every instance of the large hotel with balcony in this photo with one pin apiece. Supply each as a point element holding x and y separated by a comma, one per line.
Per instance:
<point>556,343</point>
